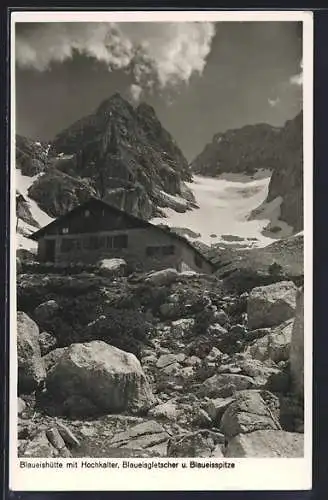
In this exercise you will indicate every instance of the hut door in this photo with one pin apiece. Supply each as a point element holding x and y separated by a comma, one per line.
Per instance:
<point>50,250</point>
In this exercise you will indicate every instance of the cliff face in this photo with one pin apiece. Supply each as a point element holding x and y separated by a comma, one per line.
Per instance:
<point>121,154</point>
<point>256,147</point>
<point>23,212</point>
<point>243,150</point>
<point>287,180</point>
<point>31,156</point>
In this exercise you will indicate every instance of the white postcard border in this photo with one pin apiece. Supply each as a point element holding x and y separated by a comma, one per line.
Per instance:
<point>247,474</point>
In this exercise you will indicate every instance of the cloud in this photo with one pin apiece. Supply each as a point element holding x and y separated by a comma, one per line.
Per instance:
<point>297,79</point>
<point>274,102</point>
<point>157,54</point>
<point>135,92</point>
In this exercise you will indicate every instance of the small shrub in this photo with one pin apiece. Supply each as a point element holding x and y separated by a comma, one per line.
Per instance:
<point>275,269</point>
<point>91,317</point>
<point>58,269</point>
<point>126,329</point>
<point>152,297</point>
<point>243,280</point>
<point>203,320</point>
<point>91,308</point>
<point>291,412</point>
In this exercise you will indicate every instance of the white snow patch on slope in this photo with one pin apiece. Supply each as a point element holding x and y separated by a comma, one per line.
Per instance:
<point>225,204</point>
<point>25,243</point>
<point>176,202</point>
<point>301,233</point>
<point>271,211</point>
<point>173,198</point>
<point>22,184</point>
<point>63,156</point>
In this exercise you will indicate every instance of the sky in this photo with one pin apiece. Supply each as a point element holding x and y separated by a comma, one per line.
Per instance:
<point>201,78</point>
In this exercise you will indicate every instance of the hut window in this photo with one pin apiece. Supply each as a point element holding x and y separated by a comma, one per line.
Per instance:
<point>87,213</point>
<point>159,251</point>
<point>168,250</point>
<point>152,251</point>
<point>65,230</point>
<point>70,244</point>
<point>67,245</point>
<point>118,241</point>
<point>87,243</point>
<point>94,242</point>
<point>102,241</point>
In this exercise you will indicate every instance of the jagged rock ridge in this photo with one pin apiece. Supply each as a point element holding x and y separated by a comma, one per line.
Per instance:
<point>287,180</point>
<point>23,212</point>
<point>255,147</point>
<point>31,156</point>
<point>243,150</point>
<point>119,153</point>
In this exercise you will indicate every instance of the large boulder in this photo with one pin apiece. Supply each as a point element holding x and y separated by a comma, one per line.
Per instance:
<point>214,356</point>
<point>39,447</point>
<point>171,309</point>
<point>251,411</point>
<point>181,327</point>
<point>69,438</point>
<point>271,305</point>
<point>165,411</point>
<point>112,267</point>
<point>163,277</point>
<point>148,435</point>
<point>31,371</point>
<point>216,408</point>
<point>47,342</point>
<point>225,384</point>
<point>257,369</point>
<point>185,302</point>
<point>21,406</point>
<point>122,437</point>
<point>168,359</point>
<point>97,378</point>
<point>19,265</point>
<point>196,444</point>
<point>266,374</point>
<point>266,443</point>
<point>297,347</point>
<point>45,311</point>
<point>52,357</point>
<point>274,346</point>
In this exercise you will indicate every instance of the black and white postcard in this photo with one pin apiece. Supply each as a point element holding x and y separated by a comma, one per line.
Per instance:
<point>161,250</point>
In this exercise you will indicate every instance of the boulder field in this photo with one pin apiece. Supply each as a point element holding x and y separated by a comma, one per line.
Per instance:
<point>163,364</point>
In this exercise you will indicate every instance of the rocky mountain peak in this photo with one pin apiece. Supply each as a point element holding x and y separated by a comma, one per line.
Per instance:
<point>244,150</point>
<point>31,156</point>
<point>120,153</point>
<point>147,110</point>
<point>115,105</point>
